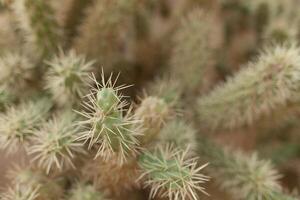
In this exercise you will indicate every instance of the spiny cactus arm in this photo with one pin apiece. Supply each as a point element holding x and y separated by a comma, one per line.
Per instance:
<point>36,19</point>
<point>245,177</point>
<point>170,173</point>
<point>54,144</point>
<point>18,124</point>
<point>265,86</point>
<point>107,129</point>
<point>68,77</point>
<point>193,48</point>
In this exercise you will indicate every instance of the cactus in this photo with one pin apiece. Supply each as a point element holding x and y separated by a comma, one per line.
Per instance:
<point>191,55</point>
<point>171,174</point>
<point>263,87</point>
<point>179,133</point>
<point>152,113</point>
<point>103,34</point>
<point>87,136</point>
<point>31,184</point>
<point>18,124</point>
<point>246,177</point>
<point>68,77</point>
<point>55,144</point>
<point>36,19</point>
<point>16,72</point>
<point>109,130</point>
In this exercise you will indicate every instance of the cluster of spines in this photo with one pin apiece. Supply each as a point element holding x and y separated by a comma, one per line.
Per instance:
<point>166,88</point>
<point>55,143</point>
<point>121,178</point>
<point>152,114</point>
<point>245,177</point>
<point>264,86</point>
<point>103,111</point>
<point>178,133</point>
<point>68,77</point>
<point>108,129</point>
<point>31,184</point>
<point>17,72</point>
<point>19,122</point>
<point>170,173</point>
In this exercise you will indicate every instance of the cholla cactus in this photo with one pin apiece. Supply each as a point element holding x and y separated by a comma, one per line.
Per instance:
<point>68,77</point>
<point>112,177</point>
<point>36,19</point>
<point>21,193</point>
<point>166,88</point>
<point>176,52</point>
<point>83,191</point>
<point>55,144</point>
<point>152,113</point>
<point>246,177</point>
<point>18,124</point>
<point>29,184</point>
<point>178,133</point>
<point>193,47</point>
<point>261,88</point>
<point>106,33</point>
<point>109,130</point>
<point>16,72</point>
<point>170,173</point>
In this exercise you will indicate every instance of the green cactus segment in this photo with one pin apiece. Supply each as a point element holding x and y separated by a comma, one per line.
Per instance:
<point>265,86</point>
<point>112,132</point>
<point>162,170</point>
<point>169,174</point>
<point>245,177</point>
<point>107,99</point>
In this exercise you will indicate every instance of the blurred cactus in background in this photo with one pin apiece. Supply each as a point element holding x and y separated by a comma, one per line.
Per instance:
<point>149,99</point>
